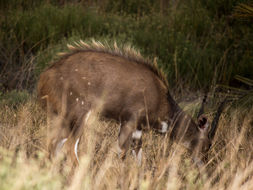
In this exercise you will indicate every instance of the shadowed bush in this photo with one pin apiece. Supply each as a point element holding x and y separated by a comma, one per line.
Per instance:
<point>197,43</point>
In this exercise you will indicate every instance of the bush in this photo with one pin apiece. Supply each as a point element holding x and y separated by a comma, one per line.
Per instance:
<point>197,43</point>
<point>14,98</point>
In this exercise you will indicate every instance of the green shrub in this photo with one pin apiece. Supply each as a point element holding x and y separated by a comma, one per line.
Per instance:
<point>14,98</point>
<point>197,42</point>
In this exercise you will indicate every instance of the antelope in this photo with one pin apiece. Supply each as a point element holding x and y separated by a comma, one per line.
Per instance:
<point>127,87</point>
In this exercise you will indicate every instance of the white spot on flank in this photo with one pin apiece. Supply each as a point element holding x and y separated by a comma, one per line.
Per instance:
<point>137,134</point>
<point>60,145</point>
<point>77,99</point>
<point>82,102</point>
<point>89,83</point>
<point>164,127</point>
<point>76,146</point>
<point>70,93</point>
<point>87,116</point>
<point>83,78</point>
<point>76,69</point>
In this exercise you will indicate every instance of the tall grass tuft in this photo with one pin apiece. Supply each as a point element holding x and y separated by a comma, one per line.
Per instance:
<point>24,163</point>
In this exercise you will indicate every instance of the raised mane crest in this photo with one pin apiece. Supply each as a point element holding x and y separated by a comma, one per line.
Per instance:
<point>126,51</point>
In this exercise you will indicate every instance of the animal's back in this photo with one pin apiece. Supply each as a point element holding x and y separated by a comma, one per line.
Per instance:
<point>90,79</point>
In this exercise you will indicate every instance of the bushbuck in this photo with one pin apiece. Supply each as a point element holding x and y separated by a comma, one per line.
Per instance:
<point>126,87</point>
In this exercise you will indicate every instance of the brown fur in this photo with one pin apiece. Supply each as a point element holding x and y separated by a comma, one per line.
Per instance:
<point>121,83</point>
<point>126,51</point>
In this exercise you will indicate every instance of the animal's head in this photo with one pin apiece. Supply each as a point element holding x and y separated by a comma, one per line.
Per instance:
<point>197,136</point>
<point>206,134</point>
<point>201,143</point>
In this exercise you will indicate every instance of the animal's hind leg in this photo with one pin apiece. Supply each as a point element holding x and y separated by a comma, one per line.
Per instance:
<point>75,136</point>
<point>57,136</point>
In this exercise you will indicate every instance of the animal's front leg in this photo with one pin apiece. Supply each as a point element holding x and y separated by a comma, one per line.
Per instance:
<point>125,138</point>
<point>137,145</point>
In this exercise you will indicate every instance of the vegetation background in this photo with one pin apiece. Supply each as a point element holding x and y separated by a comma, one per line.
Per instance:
<point>201,45</point>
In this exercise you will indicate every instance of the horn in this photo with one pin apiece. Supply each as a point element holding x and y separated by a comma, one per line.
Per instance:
<point>216,119</point>
<point>201,110</point>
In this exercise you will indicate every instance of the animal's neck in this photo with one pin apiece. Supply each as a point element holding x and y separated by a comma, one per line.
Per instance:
<point>180,121</point>
<point>173,109</point>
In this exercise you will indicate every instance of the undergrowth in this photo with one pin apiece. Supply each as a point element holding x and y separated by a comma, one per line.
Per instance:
<point>24,163</point>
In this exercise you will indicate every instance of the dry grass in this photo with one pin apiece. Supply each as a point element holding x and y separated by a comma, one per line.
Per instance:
<point>24,163</point>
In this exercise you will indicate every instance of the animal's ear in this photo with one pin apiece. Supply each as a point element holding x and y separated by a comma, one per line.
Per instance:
<point>203,122</point>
